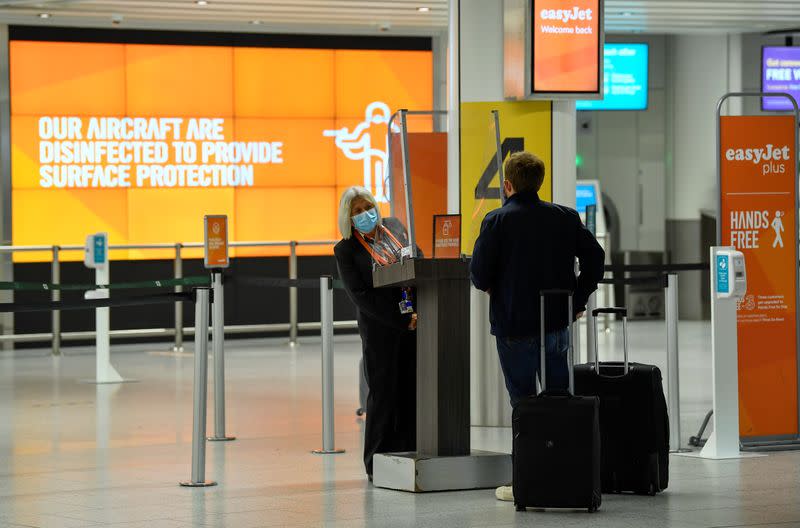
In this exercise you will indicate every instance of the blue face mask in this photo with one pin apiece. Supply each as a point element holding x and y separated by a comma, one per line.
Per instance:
<point>367,221</point>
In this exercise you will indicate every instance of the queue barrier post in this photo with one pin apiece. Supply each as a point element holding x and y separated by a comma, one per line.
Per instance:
<point>673,372</point>
<point>293,294</point>
<point>591,333</point>
<point>55,296</point>
<point>200,392</point>
<point>218,335</point>
<point>178,346</point>
<point>326,318</point>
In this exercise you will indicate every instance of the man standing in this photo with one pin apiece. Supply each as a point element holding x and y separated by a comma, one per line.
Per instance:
<point>526,246</point>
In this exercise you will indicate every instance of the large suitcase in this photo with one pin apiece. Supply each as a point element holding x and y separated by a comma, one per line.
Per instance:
<point>634,424</point>
<point>556,450</point>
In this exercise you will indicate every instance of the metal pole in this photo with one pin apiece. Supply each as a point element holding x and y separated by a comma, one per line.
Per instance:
<point>326,315</point>
<point>178,346</point>
<point>55,278</point>
<point>591,329</point>
<point>200,391</point>
<point>673,376</point>
<point>218,334</point>
<point>292,294</point>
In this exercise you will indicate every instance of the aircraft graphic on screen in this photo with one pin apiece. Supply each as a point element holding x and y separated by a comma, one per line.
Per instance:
<point>358,145</point>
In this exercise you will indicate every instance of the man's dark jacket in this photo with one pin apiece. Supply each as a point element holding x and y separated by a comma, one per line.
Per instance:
<point>529,245</point>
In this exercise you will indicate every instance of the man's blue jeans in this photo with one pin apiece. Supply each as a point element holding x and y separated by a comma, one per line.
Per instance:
<point>519,359</point>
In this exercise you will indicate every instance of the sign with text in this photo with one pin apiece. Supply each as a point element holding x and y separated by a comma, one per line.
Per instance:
<point>446,236</point>
<point>104,134</point>
<point>567,42</point>
<point>758,216</point>
<point>216,241</point>
<point>524,125</point>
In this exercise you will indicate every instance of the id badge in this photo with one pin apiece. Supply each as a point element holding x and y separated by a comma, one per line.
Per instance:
<point>406,308</point>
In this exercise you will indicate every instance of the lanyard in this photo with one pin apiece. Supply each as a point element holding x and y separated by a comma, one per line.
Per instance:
<point>385,258</point>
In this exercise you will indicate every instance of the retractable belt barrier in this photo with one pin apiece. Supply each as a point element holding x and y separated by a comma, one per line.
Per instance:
<point>656,280</point>
<point>656,268</point>
<point>140,285</point>
<point>145,300</point>
<point>270,282</point>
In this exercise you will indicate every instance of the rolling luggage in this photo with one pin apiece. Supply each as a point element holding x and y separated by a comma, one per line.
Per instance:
<point>634,424</point>
<point>556,450</point>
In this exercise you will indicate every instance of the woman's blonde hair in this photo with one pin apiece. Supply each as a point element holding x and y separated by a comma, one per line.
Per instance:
<point>345,222</point>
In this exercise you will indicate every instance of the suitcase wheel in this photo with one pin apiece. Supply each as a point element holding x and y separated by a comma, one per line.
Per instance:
<point>520,508</point>
<point>652,490</point>
<point>592,509</point>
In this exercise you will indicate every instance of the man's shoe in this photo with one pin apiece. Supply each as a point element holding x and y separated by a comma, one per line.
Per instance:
<point>504,493</point>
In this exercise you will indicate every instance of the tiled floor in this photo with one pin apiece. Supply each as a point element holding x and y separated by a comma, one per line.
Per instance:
<point>83,455</point>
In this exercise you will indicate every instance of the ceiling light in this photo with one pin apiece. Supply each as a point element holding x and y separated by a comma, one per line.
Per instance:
<point>627,13</point>
<point>201,2</point>
<point>256,22</point>
<point>44,15</point>
<point>423,9</point>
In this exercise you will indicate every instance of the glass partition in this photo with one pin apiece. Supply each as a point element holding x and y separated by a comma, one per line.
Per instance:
<point>416,180</point>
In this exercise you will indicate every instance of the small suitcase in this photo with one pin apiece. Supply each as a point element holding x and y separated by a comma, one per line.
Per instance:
<point>634,424</point>
<point>556,449</point>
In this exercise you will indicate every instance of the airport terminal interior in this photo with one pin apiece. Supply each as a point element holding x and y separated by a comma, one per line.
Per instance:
<point>248,275</point>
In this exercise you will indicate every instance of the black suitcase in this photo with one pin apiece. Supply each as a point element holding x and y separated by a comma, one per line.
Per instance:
<point>556,450</point>
<point>634,423</point>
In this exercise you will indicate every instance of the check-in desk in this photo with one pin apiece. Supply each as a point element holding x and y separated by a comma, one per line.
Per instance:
<point>444,459</point>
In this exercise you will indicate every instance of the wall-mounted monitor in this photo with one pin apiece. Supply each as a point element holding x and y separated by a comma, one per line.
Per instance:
<point>625,84</point>
<point>780,72</point>
<point>566,39</point>
<point>138,138</point>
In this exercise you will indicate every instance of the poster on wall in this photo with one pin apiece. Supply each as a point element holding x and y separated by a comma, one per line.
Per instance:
<point>524,125</point>
<point>143,140</point>
<point>567,47</point>
<point>758,216</point>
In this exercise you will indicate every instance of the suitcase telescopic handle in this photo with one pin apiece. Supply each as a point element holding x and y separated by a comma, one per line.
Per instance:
<point>543,340</point>
<point>612,310</point>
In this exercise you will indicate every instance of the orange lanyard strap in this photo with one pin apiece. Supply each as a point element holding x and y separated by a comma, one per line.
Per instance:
<point>385,258</point>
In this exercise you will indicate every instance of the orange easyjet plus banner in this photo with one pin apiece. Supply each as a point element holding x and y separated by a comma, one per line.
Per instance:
<point>759,217</point>
<point>141,140</point>
<point>566,46</point>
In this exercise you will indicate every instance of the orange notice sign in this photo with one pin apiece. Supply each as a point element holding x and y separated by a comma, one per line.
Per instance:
<point>446,236</point>
<point>567,41</point>
<point>758,216</point>
<point>216,254</point>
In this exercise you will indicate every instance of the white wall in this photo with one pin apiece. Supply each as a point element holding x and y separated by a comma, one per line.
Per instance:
<point>626,151</point>
<point>698,76</point>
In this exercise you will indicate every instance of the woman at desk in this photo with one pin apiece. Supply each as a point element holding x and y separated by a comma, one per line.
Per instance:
<point>386,326</point>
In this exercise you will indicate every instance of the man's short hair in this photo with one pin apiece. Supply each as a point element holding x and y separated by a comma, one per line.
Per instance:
<point>525,171</point>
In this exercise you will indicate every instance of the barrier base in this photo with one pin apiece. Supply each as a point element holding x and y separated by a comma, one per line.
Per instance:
<point>190,484</point>
<point>698,454</point>
<point>328,451</point>
<point>221,438</point>
<point>680,450</point>
<point>421,473</point>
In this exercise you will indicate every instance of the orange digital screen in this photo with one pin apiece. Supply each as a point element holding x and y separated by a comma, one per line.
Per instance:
<point>566,40</point>
<point>143,140</point>
<point>758,217</point>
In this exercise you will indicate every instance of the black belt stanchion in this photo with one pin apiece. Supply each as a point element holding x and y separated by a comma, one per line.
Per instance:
<point>326,331</point>
<point>200,392</point>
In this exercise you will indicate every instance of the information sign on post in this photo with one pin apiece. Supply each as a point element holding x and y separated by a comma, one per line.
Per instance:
<point>446,236</point>
<point>216,241</point>
<point>758,216</point>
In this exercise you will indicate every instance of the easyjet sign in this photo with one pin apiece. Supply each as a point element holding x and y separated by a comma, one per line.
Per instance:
<point>770,156</point>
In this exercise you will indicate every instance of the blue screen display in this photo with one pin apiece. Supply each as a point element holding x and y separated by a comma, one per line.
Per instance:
<point>585,194</point>
<point>625,79</point>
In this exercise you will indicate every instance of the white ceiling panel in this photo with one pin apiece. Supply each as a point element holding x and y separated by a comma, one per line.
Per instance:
<point>388,16</point>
